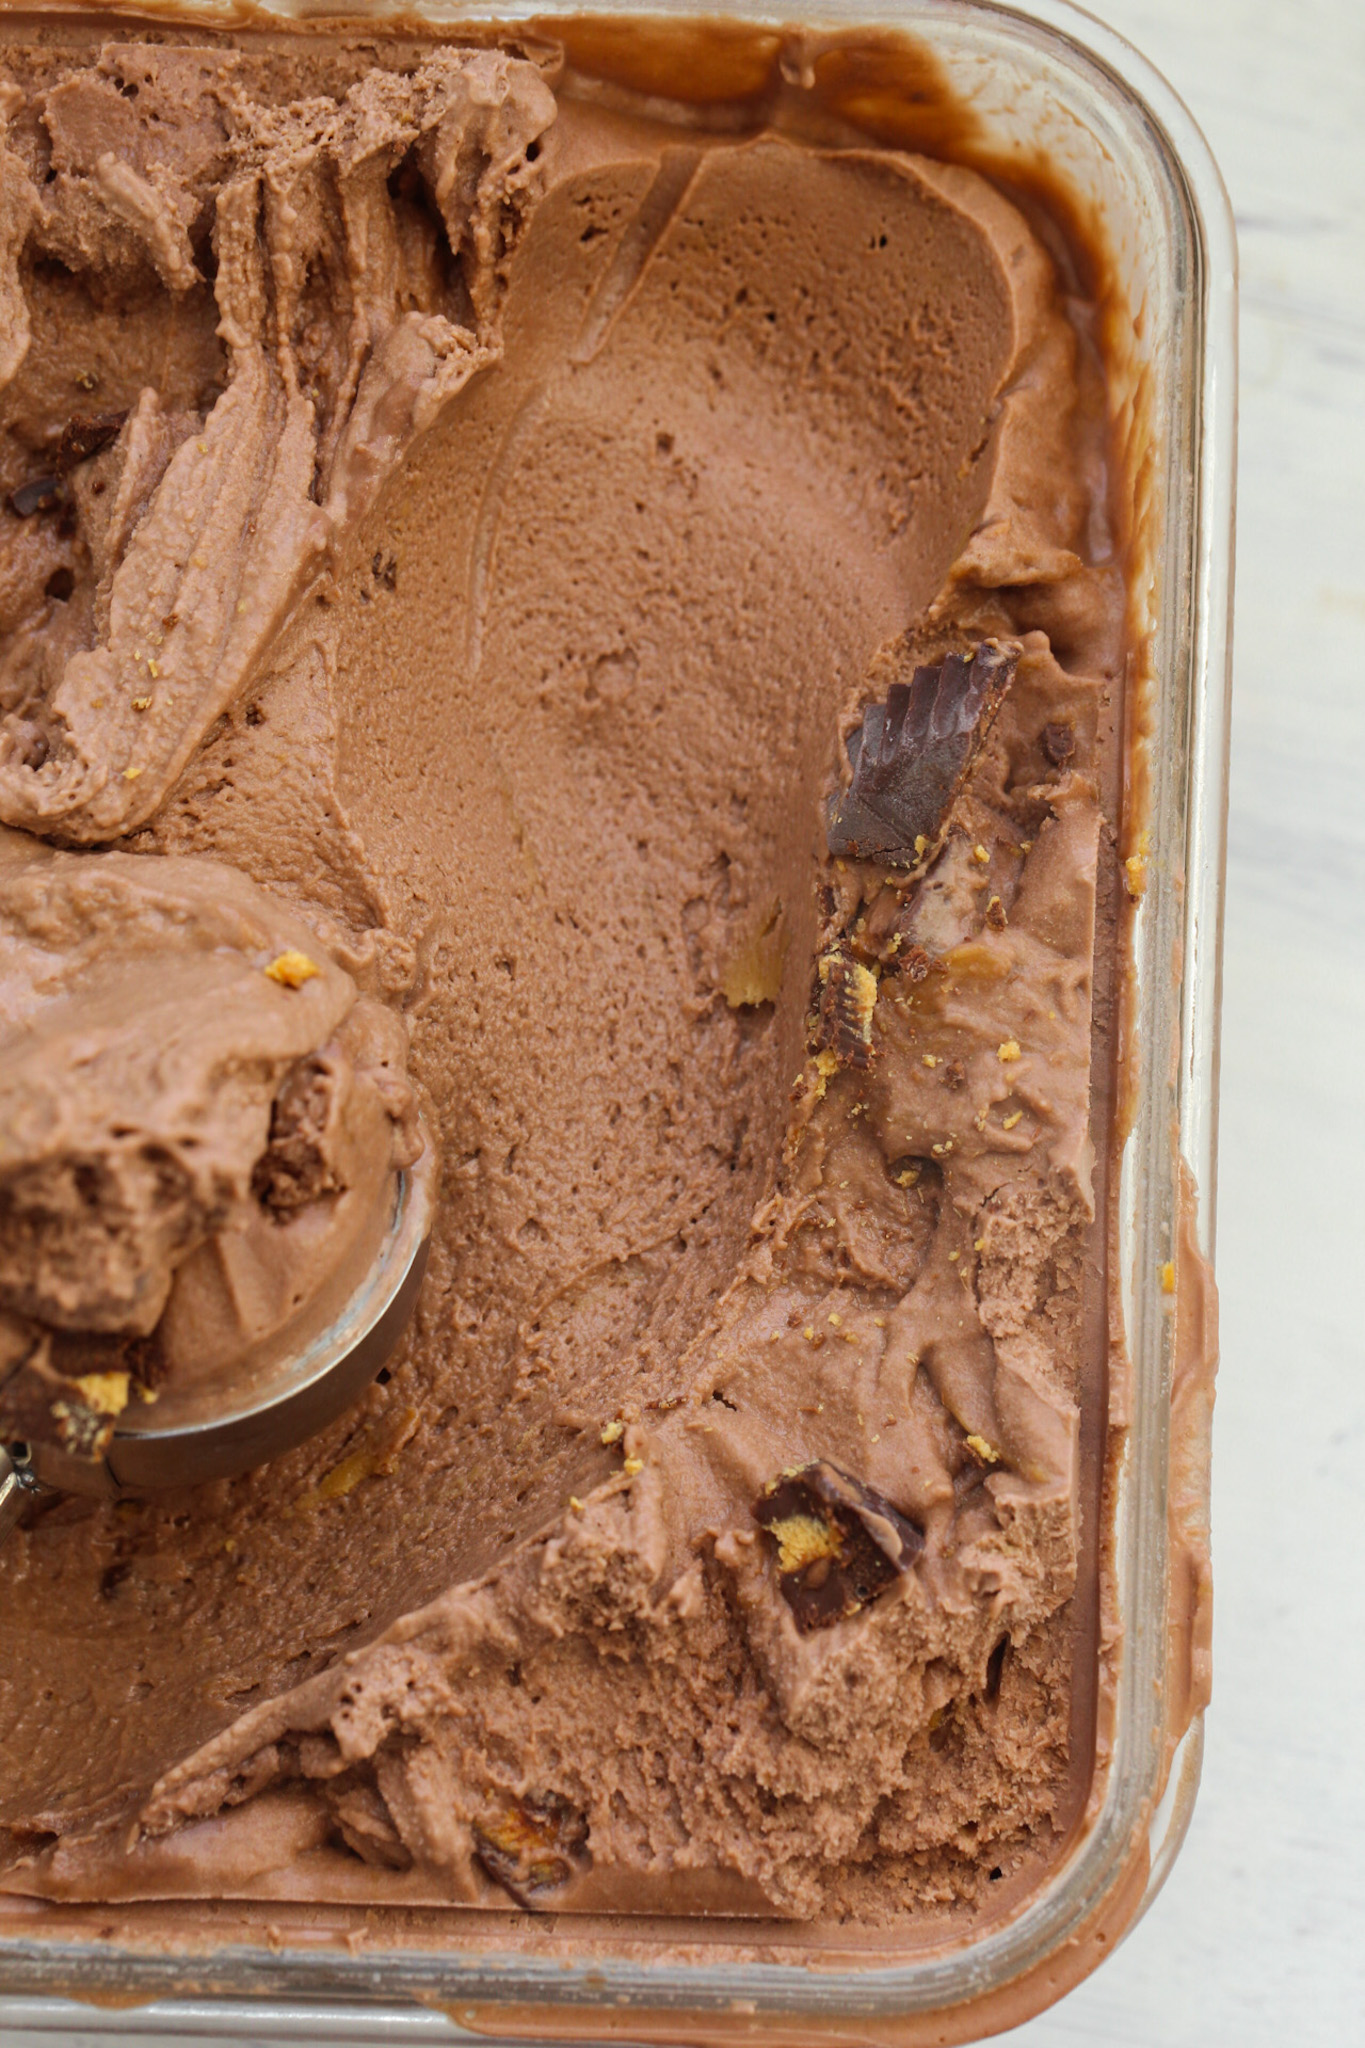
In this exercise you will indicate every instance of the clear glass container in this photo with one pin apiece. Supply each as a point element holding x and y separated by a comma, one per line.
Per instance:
<point>1046,85</point>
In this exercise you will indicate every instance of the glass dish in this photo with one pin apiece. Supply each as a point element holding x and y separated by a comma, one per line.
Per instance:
<point>1052,85</point>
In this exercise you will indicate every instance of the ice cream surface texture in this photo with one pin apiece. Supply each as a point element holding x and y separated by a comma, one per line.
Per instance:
<point>475,534</point>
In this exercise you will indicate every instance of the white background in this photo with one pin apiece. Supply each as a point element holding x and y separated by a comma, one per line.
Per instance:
<point>1258,1939</point>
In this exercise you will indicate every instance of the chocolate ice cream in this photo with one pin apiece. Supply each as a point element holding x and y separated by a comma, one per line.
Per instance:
<point>628,595</point>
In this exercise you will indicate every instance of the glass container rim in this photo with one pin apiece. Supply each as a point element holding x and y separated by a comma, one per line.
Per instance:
<point>1063,36</point>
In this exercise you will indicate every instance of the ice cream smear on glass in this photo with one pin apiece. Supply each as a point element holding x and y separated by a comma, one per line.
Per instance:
<point>598,618</point>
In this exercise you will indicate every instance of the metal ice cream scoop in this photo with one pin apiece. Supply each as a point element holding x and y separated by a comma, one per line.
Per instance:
<point>152,1451</point>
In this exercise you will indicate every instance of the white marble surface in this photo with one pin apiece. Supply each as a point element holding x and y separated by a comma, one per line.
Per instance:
<point>1257,1940</point>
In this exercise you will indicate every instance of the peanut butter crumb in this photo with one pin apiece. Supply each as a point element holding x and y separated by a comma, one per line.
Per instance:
<point>980,854</point>
<point>131,774</point>
<point>371,1461</point>
<point>105,1392</point>
<point>802,1540</point>
<point>614,1431</point>
<point>930,1059</point>
<point>1008,1123</point>
<point>1008,1051</point>
<point>632,1466</point>
<point>142,703</point>
<point>986,1452</point>
<point>1168,1277</point>
<point>291,969</point>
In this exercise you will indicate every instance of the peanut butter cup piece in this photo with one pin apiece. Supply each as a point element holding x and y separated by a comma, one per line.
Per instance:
<point>846,996</point>
<point>76,1412</point>
<point>912,755</point>
<point>533,1846</point>
<point>839,1544</point>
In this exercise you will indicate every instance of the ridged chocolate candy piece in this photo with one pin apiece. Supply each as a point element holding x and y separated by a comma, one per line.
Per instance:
<point>912,755</point>
<point>839,1544</point>
<point>845,999</point>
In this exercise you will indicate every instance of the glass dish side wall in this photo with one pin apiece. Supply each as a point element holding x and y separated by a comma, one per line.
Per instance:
<point>1053,83</point>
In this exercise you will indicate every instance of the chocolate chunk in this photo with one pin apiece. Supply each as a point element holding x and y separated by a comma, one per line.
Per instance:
<point>911,961</point>
<point>846,996</point>
<point>1058,742</point>
<point>85,435</point>
<point>43,494</point>
<point>533,1846</point>
<point>912,755</point>
<point>295,1167</point>
<point>839,1544</point>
